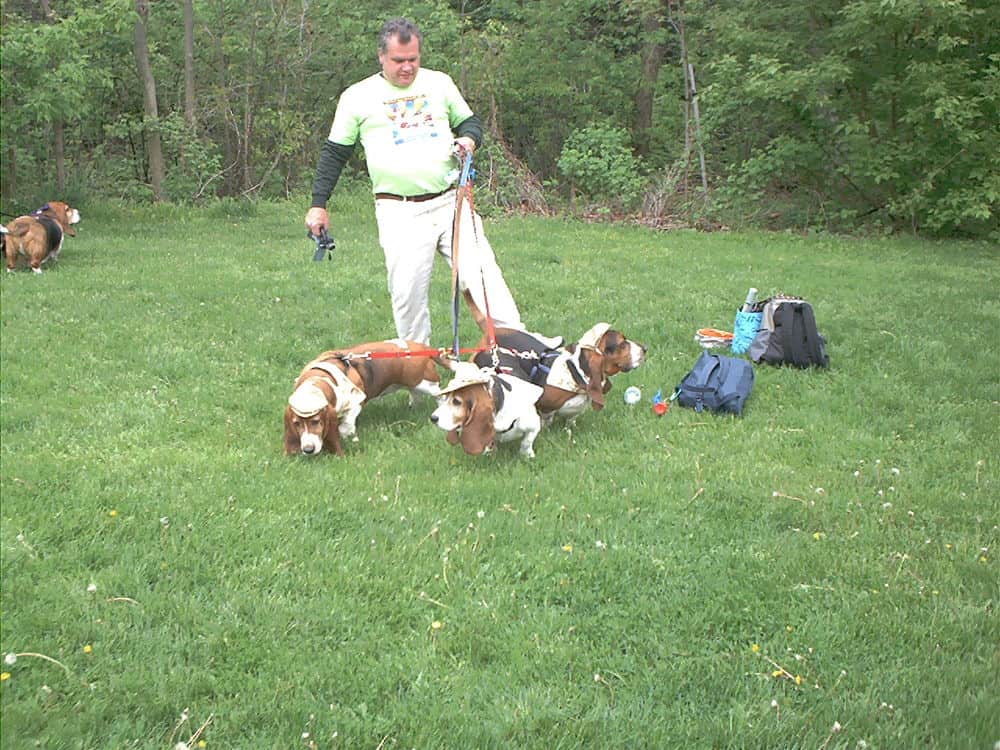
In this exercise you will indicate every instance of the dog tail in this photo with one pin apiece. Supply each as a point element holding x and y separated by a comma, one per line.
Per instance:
<point>477,314</point>
<point>17,228</point>
<point>445,361</point>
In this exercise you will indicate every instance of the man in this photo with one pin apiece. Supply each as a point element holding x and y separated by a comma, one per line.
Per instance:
<point>411,122</point>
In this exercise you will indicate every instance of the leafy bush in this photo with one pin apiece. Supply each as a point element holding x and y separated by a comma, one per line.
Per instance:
<point>599,163</point>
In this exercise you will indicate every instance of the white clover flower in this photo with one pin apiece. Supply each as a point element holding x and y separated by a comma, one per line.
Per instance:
<point>10,659</point>
<point>481,514</point>
<point>92,588</point>
<point>836,727</point>
<point>895,471</point>
<point>601,545</point>
<point>774,703</point>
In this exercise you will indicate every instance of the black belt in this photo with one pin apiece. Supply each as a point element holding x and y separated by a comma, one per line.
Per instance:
<point>412,198</point>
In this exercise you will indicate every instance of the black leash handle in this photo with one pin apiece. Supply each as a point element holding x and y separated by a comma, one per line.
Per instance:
<point>324,244</point>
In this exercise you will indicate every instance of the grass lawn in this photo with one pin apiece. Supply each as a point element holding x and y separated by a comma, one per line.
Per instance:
<point>820,573</point>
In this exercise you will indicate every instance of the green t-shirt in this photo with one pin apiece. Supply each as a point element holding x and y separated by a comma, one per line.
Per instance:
<point>406,133</point>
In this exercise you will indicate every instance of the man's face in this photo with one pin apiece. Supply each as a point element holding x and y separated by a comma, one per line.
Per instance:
<point>400,62</point>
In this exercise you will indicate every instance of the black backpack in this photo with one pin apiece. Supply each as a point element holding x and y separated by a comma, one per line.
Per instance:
<point>788,335</point>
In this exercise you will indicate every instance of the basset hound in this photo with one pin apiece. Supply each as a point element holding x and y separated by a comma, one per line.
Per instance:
<point>330,391</point>
<point>573,376</point>
<point>38,236</point>
<point>478,409</point>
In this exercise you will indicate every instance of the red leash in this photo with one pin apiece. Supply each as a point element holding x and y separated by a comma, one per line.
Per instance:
<point>442,352</point>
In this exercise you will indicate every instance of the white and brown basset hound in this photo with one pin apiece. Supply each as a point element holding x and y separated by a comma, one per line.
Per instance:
<point>479,408</point>
<point>573,376</point>
<point>38,236</point>
<point>330,391</point>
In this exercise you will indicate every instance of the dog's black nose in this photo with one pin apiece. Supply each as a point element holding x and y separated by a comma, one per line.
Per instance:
<point>434,418</point>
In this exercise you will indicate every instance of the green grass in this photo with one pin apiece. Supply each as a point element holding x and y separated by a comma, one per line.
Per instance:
<point>638,584</point>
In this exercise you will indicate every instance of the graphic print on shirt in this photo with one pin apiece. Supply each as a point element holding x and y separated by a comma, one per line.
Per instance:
<point>411,119</point>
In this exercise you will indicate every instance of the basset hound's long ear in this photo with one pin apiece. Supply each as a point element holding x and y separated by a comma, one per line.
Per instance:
<point>595,378</point>
<point>478,431</point>
<point>331,431</point>
<point>59,211</point>
<point>64,220</point>
<point>292,443</point>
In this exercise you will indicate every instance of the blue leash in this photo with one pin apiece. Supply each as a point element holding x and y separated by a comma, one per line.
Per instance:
<point>463,183</point>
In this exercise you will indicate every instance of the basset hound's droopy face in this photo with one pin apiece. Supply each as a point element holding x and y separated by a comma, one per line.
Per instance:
<point>311,423</point>
<point>466,415</point>
<point>620,354</point>
<point>614,353</point>
<point>477,410</point>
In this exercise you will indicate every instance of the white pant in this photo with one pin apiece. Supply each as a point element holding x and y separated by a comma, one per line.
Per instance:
<point>411,234</point>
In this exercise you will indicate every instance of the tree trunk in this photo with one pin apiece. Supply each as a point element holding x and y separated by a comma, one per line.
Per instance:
<point>652,58</point>
<point>153,145</point>
<point>250,75</point>
<point>8,186</point>
<point>190,116</point>
<point>678,26</point>
<point>58,135</point>
<point>59,154</point>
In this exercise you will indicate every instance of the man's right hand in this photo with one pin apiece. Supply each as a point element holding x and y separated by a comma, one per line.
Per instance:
<point>317,220</point>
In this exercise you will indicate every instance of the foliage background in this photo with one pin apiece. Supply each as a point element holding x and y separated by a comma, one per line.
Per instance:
<point>838,114</point>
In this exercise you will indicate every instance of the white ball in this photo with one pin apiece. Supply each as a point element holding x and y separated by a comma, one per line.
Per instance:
<point>632,395</point>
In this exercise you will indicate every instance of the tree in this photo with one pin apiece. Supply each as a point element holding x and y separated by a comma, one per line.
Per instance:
<point>841,113</point>
<point>154,148</point>
<point>190,114</point>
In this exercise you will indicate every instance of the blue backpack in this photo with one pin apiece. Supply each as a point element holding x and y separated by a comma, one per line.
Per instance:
<point>716,383</point>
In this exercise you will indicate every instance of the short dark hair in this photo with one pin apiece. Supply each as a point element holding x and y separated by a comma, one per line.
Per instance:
<point>401,28</point>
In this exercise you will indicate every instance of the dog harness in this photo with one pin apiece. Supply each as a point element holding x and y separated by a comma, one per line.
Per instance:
<point>512,397</point>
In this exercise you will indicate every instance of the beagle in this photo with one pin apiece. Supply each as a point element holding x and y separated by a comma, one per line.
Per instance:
<point>39,235</point>
<point>572,376</point>
<point>329,392</point>
<point>478,408</point>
